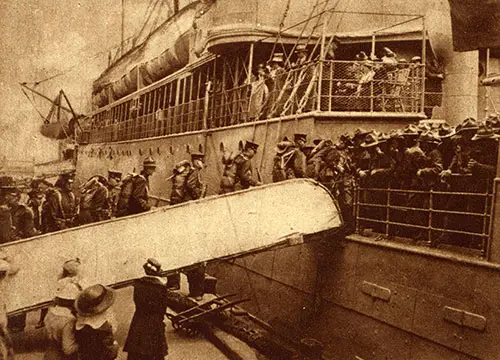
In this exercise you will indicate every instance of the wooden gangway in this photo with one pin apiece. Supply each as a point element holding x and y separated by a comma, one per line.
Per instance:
<point>217,227</point>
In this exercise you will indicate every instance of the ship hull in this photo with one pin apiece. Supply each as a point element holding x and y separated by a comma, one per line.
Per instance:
<point>127,156</point>
<point>373,300</point>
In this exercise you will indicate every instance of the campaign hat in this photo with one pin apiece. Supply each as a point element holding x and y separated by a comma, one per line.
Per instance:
<point>371,140</point>
<point>149,162</point>
<point>483,133</point>
<point>251,145</point>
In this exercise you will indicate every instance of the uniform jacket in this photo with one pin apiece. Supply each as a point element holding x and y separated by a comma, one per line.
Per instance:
<point>23,222</point>
<point>186,186</point>
<point>6,233</point>
<point>94,205</point>
<point>298,168</point>
<point>431,169</point>
<point>139,199</point>
<point>147,330</point>
<point>59,210</point>
<point>36,205</point>
<point>244,172</point>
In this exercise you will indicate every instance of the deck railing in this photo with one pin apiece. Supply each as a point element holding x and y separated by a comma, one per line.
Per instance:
<point>456,214</point>
<point>322,86</point>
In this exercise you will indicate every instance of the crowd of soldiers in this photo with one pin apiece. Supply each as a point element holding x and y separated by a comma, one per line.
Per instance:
<point>418,158</point>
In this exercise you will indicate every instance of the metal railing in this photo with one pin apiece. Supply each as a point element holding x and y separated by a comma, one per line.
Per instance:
<point>321,86</point>
<point>435,216</point>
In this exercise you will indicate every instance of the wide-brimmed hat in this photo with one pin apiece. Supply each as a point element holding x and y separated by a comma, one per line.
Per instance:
<point>484,132</point>
<point>284,146</point>
<point>115,174</point>
<point>396,134</point>
<point>360,133</point>
<point>468,125</point>
<point>411,131</point>
<point>493,121</point>
<point>429,137</point>
<point>94,300</point>
<point>416,59</point>
<point>299,136</point>
<point>149,162</point>
<point>371,140</point>
<point>152,267</point>
<point>446,131</point>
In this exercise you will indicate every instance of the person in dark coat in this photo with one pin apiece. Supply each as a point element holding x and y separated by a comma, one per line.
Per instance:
<point>36,201</point>
<point>139,199</point>
<point>146,336</point>
<point>60,208</point>
<point>95,324</point>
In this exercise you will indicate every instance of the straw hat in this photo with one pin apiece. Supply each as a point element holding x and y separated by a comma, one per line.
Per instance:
<point>94,300</point>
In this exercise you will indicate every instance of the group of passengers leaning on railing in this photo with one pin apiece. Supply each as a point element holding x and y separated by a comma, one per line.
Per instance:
<point>384,180</point>
<point>278,87</point>
<point>366,84</point>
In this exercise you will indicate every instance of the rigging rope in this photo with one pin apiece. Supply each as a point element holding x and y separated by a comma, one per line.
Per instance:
<point>32,104</point>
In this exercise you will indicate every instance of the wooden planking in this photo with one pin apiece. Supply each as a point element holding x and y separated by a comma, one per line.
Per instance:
<point>179,236</point>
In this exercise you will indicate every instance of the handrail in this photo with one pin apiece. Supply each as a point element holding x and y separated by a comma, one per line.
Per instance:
<point>387,214</point>
<point>346,86</point>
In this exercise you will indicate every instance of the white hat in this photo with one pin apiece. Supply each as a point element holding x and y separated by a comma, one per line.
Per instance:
<point>67,289</point>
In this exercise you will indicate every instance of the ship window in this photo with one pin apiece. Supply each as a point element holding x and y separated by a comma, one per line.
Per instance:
<point>171,150</point>
<point>200,148</point>
<point>221,146</point>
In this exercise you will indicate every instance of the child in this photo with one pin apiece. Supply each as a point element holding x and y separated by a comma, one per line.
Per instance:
<point>96,324</point>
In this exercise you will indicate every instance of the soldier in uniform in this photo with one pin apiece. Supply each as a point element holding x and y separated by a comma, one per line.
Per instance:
<point>186,186</point>
<point>298,168</point>
<point>139,199</point>
<point>94,203</point>
<point>36,201</point>
<point>186,182</point>
<point>60,207</point>
<point>378,176</point>
<point>114,179</point>
<point>285,150</point>
<point>22,216</point>
<point>6,185</point>
<point>6,348</point>
<point>238,170</point>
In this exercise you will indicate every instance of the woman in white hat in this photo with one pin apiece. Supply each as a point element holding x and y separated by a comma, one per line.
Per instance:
<point>146,336</point>
<point>60,322</point>
<point>95,324</point>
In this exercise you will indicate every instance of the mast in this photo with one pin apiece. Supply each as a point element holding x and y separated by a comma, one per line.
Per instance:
<point>123,29</point>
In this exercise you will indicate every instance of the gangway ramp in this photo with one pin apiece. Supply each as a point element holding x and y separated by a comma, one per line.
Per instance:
<point>212,228</point>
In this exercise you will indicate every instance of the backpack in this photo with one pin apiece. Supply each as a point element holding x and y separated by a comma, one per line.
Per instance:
<point>126,188</point>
